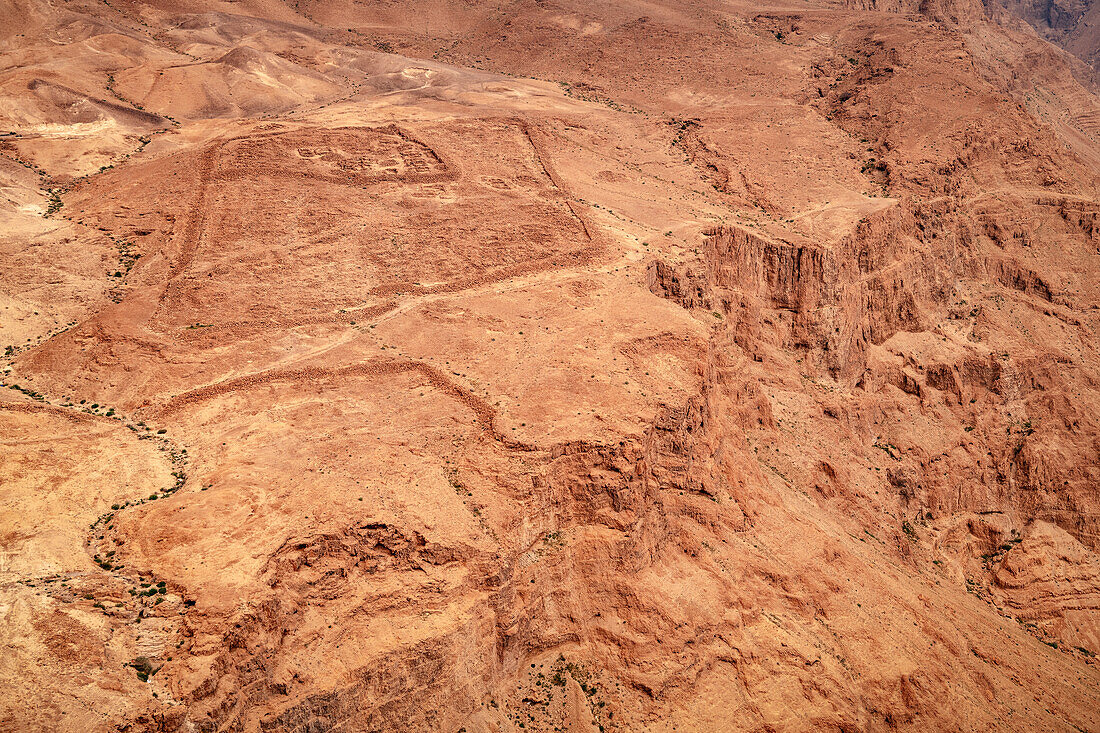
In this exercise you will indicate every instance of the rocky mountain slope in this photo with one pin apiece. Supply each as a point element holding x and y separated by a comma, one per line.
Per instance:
<point>1072,24</point>
<point>546,365</point>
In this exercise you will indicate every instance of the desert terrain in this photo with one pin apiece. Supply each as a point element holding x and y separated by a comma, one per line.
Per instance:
<point>549,366</point>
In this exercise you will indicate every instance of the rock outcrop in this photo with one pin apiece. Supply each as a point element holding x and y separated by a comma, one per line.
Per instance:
<point>357,378</point>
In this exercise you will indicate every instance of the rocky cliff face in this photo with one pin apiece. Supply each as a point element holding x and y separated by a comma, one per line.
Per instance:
<point>547,367</point>
<point>1071,24</point>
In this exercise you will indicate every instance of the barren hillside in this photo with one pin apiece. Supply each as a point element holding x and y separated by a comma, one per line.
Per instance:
<point>548,365</point>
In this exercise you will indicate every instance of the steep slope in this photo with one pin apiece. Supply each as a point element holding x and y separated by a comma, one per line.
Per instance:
<point>1074,25</point>
<point>547,366</point>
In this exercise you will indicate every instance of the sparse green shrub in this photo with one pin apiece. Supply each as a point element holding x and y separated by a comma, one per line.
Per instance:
<point>144,668</point>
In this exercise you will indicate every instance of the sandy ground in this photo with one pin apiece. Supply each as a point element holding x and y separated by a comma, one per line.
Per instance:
<point>487,367</point>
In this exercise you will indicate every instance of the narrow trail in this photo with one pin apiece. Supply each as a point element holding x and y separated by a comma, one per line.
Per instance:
<point>193,233</point>
<point>127,258</point>
<point>99,543</point>
<point>484,415</point>
<point>417,294</point>
<point>190,240</point>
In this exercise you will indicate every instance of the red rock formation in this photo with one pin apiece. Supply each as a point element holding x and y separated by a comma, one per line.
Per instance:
<point>557,366</point>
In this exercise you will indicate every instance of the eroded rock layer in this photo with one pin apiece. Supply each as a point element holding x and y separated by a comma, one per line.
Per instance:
<point>548,366</point>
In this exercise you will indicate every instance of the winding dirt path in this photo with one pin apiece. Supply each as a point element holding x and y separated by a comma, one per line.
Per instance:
<point>484,415</point>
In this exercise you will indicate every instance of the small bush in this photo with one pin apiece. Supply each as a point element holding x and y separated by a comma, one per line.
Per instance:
<point>144,668</point>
